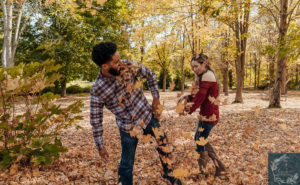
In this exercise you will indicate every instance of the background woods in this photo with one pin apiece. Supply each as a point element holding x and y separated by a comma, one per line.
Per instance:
<point>45,45</point>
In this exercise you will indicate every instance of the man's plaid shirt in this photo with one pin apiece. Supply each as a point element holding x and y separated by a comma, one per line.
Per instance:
<point>106,91</point>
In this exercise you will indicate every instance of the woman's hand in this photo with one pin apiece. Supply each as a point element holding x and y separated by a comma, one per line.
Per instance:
<point>187,107</point>
<point>183,99</point>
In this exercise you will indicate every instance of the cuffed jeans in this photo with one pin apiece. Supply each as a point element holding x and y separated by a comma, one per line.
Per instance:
<point>129,145</point>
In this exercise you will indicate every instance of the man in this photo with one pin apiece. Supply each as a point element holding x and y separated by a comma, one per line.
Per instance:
<point>115,88</point>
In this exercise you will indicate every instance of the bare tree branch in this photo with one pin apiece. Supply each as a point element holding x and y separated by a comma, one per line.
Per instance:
<point>271,12</point>
<point>274,4</point>
<point>290,13</point>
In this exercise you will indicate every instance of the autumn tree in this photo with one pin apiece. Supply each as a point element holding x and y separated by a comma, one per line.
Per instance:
<point>16,15</point>
<point>283,12</point>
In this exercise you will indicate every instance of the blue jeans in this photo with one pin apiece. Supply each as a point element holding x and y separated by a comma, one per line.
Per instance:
<point>207,128</point>
<point>129,145</point>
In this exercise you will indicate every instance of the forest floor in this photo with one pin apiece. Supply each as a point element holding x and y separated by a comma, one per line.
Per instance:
<point>245,135</point>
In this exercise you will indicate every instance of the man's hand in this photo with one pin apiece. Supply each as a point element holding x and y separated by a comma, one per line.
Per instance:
<point>155,105</point>
<point>103,153</point>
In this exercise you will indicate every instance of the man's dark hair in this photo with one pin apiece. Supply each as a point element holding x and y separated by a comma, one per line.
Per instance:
<point>102,53</point>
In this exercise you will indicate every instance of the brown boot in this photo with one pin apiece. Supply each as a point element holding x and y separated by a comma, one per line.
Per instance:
<point>202,161</point>
<point>220,168</point>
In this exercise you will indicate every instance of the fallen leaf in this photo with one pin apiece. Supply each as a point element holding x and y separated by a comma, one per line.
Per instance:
<point>108,174</point>
<point>35,172</point>
<point>248,130</point>
<point>13,169</point>
<point>283,126</point>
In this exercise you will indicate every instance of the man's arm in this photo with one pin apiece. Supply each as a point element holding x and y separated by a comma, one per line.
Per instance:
<point>150,76</point>
<point>96,119</point>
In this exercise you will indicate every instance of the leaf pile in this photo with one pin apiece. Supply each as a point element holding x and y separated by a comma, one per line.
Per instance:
<point>242,139</point>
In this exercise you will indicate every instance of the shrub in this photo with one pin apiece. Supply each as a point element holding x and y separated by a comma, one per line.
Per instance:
<point>76,89</point>
<point>30,122</point>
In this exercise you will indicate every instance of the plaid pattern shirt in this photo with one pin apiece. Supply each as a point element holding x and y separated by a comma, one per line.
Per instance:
<point>106,92</point>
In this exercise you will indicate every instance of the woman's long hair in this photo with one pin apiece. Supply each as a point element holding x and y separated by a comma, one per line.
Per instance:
<point>201,58</point>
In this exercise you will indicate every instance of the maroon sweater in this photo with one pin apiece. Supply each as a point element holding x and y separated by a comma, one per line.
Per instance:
<point>207,99</point>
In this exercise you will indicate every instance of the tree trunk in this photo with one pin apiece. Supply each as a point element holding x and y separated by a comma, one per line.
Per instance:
<point>9,35</point>
<point>230,79</point>
<point>182,74</point>
<point>63,87</point>
<point>255,70</point>
<point>258,70</point>
<point>225,80</point>
<point>239,78</point>
<point>271,70</point>
<point>165,80</point>
<point>241,28</point>
<point>284,78</point>
<point>142,54</point>
<point>281,57</point>
<point>182,64</point>
<point>297,71</point>
<point>9,43</point>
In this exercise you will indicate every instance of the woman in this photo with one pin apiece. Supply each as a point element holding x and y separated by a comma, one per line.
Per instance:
<point>207,99</point>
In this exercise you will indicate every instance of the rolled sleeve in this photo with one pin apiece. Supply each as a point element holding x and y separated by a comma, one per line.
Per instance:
<point>150,76</point>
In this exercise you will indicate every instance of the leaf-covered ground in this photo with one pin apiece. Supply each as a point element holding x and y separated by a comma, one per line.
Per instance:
<point>243,138</point>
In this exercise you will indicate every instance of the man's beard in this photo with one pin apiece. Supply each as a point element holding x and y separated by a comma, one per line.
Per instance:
<point>114,72</point>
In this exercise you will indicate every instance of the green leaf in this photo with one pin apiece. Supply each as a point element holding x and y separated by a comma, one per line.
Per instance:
<point>11,140</point>
<point>4,125</point>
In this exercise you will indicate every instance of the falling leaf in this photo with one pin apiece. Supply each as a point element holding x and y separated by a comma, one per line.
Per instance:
<point>160,109</point>
<point>137,85</point>
<point>214,100</point>
<point>129,88</point>
<point>157,132</point>
<point>256,109</point>
<point>89,3</point>
<point>202,141</point>
<point>225,102</point>
<point>201,129</point>
<point>135,131</point>
<point>121,104</point>
<point>180,173</point>
<point>142,124</point>
<point>166,149</point>
<point>101,2</point>
<point>146,138</point>
<point>93,12</point>
<point>179,108</point>
<point>172,86</point>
